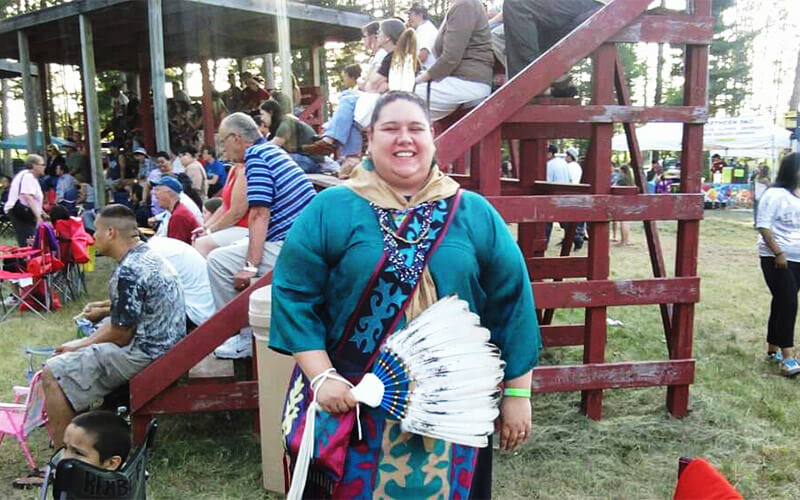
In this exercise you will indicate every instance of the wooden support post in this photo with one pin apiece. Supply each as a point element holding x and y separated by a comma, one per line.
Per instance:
<point>688,231</point>
<point>52,116</point>
<point>146,101</point>
<point>208,103</point>
<point>316,70</point>
<point>185,78</point>
<point>598,174</point>
<point>532,168</point>
<point>44,97</point>
<point>92,110</point>
<point>650,227</point>
<point>29,95</point>
<point>268,71</point>
<point>319,78</point>
<point>285,49</point>
<point>488,168</point>
<point>6,167</point>
<point>157,73</point>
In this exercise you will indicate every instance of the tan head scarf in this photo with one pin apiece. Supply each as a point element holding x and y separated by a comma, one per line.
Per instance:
<point>371,186</point>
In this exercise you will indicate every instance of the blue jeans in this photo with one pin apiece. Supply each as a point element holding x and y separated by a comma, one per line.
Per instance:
<point>308,165</point>
<point>343,128</point>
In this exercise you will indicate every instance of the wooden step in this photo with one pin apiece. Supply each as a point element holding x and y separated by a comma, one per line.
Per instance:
<point>212,367</point>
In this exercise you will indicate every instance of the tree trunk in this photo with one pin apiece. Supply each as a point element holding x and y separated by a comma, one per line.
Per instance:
<point>185,77</point>
<point>794,102</point>
<point>660,68</point>
<point>659,75</point>
<point>6,165</point>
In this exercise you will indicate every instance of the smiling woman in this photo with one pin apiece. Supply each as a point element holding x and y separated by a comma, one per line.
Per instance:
<point>424,238</point>
<point>401,142</point>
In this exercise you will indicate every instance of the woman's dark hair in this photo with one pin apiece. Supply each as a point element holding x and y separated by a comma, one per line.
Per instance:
<point>137,191</point>
<point>191,192</point>
<point>393,28</point>
<point>418,8</point>
<point>187,149</point>
<point>371,28</point>
<point>787,173</point>
<point>273,108</point>
<point>626,172</point>
<point>399,95</point>
<point>58,213</point>
<point>210,150</point>
<point>353,71</point>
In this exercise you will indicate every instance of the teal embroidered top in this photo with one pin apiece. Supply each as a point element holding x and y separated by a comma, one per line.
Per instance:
<point>333,247</point>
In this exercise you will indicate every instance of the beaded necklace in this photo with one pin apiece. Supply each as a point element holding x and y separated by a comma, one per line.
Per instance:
<point>392,241</point>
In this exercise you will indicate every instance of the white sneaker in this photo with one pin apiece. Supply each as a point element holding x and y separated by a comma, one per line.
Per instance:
<point>236,347</point>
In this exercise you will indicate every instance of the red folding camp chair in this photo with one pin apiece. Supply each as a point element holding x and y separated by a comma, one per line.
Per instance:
<point>74,243</point>
<point>29,285</point>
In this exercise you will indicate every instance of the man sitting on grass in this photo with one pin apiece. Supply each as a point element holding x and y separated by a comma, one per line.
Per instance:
<point>99,438</point>
<point>145,323</point>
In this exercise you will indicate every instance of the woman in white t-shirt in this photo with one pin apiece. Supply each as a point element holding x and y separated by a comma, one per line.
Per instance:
<point>760,185</point>
<point>778,225</point>
<point>25,188</point>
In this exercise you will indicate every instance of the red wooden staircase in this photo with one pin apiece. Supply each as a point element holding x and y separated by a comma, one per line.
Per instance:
<point>512,113</point>
<point>530,202</point>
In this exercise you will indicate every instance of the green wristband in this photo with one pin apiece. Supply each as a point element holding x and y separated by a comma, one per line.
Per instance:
<point>517,393</point>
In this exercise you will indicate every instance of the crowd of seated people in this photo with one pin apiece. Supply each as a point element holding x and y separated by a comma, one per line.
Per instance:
<point>452,68</point>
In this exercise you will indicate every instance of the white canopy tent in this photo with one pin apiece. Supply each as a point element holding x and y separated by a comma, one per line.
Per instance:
<point>755,137</point>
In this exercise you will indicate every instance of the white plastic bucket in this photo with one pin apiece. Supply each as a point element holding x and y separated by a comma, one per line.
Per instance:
<point>274,371</point>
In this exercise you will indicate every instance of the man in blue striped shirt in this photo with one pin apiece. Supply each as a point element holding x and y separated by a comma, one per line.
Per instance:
<point>277,191</point>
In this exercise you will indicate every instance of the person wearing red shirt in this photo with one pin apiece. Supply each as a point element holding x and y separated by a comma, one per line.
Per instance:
<point>717,164</point>
<point>181,222</point>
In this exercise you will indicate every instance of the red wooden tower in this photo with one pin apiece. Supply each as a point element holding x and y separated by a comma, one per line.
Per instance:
<point>512,113</point>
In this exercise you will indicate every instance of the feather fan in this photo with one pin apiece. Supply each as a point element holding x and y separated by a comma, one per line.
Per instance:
<point>439,376</point>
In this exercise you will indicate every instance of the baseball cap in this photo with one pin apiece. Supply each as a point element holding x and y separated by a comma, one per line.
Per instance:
<point>170,182</point>
<point>140,151</point>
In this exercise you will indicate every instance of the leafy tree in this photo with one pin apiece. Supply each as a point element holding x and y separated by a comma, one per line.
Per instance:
<point>634,68</point>
<point>729,65</point>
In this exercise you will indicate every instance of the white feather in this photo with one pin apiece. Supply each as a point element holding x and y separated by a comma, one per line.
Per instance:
<point>454,373</point>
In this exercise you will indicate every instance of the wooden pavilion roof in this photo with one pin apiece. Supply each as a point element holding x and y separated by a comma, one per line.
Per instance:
<point>235,28</point>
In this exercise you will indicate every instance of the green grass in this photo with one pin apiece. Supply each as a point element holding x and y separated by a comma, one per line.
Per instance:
<point>743,414</point>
